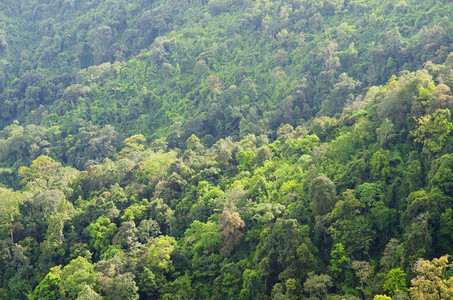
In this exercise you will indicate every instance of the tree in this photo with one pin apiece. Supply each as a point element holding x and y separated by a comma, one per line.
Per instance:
<point>431,281</point>
<point>350,226</point>
<point>43,172</point>
<point>339,262</point>
<point>101,234</point>
<point>382,297</point>
<point>323,195</point>
<point>318,285</point>
<point>395,280</point>
<point>400,97</point>
<point>193,143</point>
<point>180,289</point>
<point>228,284</point>
<point>343,90</point>
<point>159,253</point>
<point>49,287</point>
<point>363,271</point>
<point>9,210</point>
<point>246,160</point>
<point>203,242</point>
<point>76,275</point>
<point>441,174</point>
<point>385,132</point>
<point>133,144</point>
<point>380,164</point>
<point>394,255</point>
<point>91,144</point>
<point>147,283</point>
<point>230,225</point>
<point>252,286</point>
<point>87,293</point>
<point>445,233</point>
<point>117,285</point>
<point>156,166</point>
<point>433,130</point>
<point>100,42</point>
<point>292,286</point>
<point>417,236</point>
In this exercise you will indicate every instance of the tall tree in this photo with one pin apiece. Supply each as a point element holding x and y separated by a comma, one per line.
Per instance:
<point>230,225</point>
<point>9,210</point>
<point>431,281</point>
<point>323,195</point>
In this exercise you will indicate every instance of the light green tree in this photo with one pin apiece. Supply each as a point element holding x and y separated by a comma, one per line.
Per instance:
<point>339,261</point>
<point>101,234</point>
<point>9,210</point>
<point>41,172</point>
<point>76,275</point>
<point>49,287</point>
<point>133,144</point>
<point>395,280</point>
<point>380,164</point>
<point>159,253</point>
<point>382,297</point>
<point>433,130</point>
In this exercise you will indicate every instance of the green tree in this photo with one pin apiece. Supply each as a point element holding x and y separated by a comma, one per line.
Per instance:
<point>43,172</point>
<point>193,143</point>
<point>87,293</point>
<point>50,287</point>
<point>323,195</point>
<point>433,130</point>
<point>180,289</point>
<point>133,144</point>
<point>318,285</point>
<point>228,284</point>
<point>100,40</point>
<point>246,160</point>
<point>380,164</point>
<point>9,210</point>
<point>395,280</point>
<point>385,132</point>
<point>203,242</point>
<point>101,234</point>
<point>363,270</point>
<point>382,297</point>
<point>159,253</point>
<point>350,226</point>
<point>445,233</point>
<point>117,285</point>
<point>76,275</point>
<point>339,262</point>
<point>394,255</point>
<point>441,174</point>
<point>252,286</point>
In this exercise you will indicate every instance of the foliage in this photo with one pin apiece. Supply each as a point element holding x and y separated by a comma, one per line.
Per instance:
<point>433,130</point>
<point>225,149</point>
<point>431,281</point>
<point>395,280</point>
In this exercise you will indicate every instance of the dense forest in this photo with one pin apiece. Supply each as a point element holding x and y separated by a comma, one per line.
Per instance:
<point>226,149</point>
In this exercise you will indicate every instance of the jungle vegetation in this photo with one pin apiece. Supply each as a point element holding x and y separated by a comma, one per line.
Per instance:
<point>226,149</point>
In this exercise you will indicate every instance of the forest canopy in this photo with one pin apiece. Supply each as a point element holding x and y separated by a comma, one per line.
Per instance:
<point>236,149</point>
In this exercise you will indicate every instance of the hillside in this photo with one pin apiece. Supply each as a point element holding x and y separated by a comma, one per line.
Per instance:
<point>226,149</point>
<point>216,69</point>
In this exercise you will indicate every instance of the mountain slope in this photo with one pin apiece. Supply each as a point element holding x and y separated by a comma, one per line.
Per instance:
<point>226,149</point>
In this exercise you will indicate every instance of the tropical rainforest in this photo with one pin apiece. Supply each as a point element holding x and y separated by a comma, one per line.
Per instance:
<point>226,149</point>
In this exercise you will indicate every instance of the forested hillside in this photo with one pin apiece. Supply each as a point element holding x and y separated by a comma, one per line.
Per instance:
<point>226,149</point>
